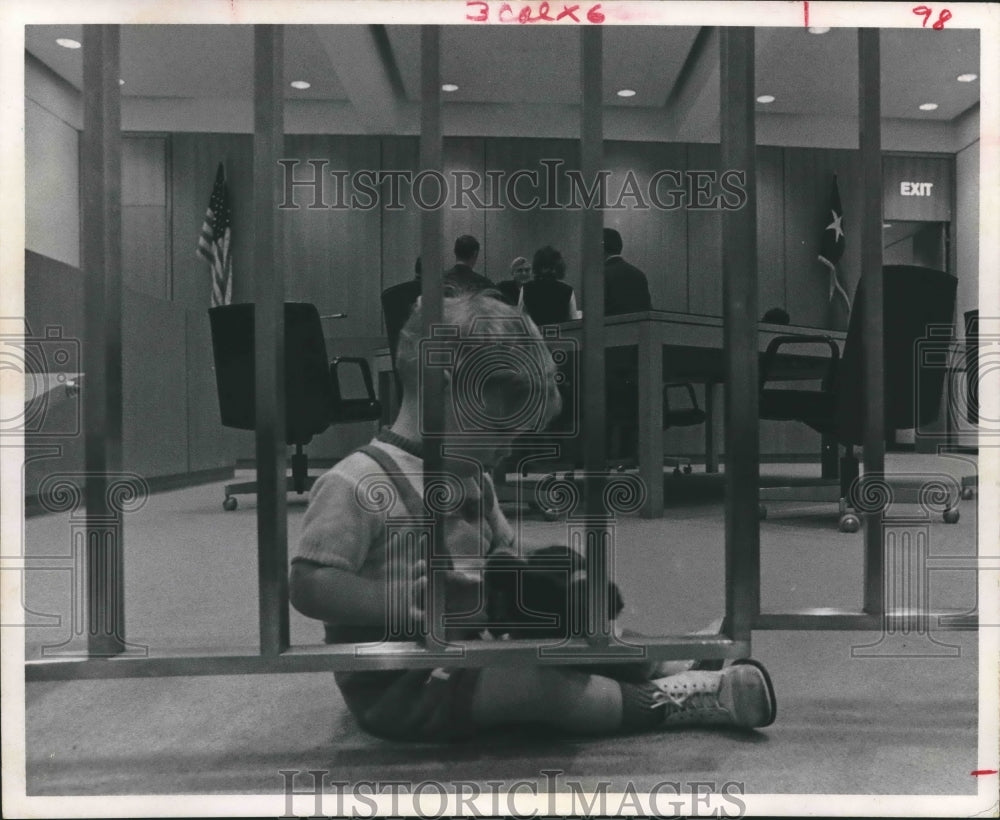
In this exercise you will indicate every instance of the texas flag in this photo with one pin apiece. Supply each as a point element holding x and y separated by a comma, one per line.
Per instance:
<point>832,244</point>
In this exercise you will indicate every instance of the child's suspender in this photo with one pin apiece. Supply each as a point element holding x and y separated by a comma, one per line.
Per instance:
<point>412,501</point>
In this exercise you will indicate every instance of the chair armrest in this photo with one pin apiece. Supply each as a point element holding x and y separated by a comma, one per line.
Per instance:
<point>366,374</point>
<point>772,351</point>
<point>676,385</point>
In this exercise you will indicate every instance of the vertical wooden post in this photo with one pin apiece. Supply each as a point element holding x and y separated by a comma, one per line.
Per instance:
<point>431,379</point>
<point>100,182</point>
<point>870,142</point>
<point>739,283</point>
<point>269,334</point>
<point>592,394</point>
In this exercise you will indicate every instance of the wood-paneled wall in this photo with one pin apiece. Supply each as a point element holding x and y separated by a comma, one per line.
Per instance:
<point>341,259</point>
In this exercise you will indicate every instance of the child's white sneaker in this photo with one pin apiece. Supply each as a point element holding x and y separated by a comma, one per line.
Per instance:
<point>740,695</point>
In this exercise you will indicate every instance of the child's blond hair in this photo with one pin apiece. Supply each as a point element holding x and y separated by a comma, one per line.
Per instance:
<point>487,344</point>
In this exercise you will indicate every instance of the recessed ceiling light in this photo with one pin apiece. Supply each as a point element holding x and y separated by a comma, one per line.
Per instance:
<point>626,92</point>
<point>449,87</point>
<point>121,81</point>
<point>66,42</point>
<point>928,106</point>
<point>765,98</point>
<point>300,84</point>
<point>967,78</point>
<point>818,29</point>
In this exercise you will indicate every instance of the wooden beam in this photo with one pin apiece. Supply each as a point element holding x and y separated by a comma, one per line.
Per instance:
<point>592,394</point>
<point>431,379</point>
<point>870,142</point>
<point>100,183</point>
<point>739,284</point>
<point>269,334</point>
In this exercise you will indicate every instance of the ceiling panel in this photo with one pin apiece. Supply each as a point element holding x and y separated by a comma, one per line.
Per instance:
<point>541,65</point>
<point>192,61</point>
<point>807,74</point>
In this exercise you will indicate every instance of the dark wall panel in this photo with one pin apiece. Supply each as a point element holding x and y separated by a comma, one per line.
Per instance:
<point>154,386</point>
<point>400,229</point>
<point>511,232</point>
<point>144,250</point>
<point>704,241</point>
<point>331,255</point>
<point>770,229</point>
<point>210,445</point>
<point>462,156</point>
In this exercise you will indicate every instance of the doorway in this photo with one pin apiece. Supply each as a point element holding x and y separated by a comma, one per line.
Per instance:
<point>915,243</point>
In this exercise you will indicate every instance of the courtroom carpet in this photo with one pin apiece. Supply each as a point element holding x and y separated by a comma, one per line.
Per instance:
<point>887,725</point>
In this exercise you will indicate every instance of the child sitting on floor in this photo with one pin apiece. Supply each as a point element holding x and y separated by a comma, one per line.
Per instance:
<point>351,572</point>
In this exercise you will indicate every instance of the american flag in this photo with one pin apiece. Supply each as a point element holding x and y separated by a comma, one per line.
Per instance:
<point>833,242</point>
<point>213,242</point>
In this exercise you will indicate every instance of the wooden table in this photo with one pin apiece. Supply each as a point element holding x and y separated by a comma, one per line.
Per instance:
<point>678,346</point>
<point>687,347</point>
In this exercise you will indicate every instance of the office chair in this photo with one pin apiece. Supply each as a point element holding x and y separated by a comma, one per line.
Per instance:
<point>314,397</point>
<point>914,298</point>
<point>623,410</point>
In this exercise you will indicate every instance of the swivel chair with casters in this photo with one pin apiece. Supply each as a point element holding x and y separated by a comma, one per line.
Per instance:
<point>622,414</point>
<point>314,397</point>
<point>914,300</point>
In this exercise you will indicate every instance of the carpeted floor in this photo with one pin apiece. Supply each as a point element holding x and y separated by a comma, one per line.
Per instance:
<point>886,725</point>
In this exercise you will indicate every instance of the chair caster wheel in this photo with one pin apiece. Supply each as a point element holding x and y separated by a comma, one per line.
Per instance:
<point>677,470</point>
<point>229,504</point>
<point>950,516</point>
<point>849,522</point>
<point>761,512</point>
<point>687,469</point>
<point>967,493</point>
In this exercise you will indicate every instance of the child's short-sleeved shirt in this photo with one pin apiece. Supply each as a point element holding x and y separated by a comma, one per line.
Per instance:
<point>352,505</point>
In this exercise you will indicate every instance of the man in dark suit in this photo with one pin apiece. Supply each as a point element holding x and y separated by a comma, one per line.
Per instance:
<point>463,276</point>
<point>625,291</point>
<point>625,287</point>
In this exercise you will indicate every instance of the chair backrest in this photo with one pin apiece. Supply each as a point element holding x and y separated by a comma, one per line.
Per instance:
<point>309,398</point>
<point>914,299</point>
<point>397,304</point>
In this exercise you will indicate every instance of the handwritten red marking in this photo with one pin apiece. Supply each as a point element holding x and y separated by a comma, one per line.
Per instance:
<point>928,12</point>
<point>484,11</point>
<point>478,11</point>
<point>568,12</point>
<point>981,772</point>
<point>805,9</point>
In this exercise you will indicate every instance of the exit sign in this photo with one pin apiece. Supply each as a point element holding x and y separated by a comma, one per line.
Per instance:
<point>917,188</point>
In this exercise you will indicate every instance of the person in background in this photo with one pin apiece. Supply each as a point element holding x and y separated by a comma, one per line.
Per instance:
<point>462,276</point>
<point>776,316</point>
<point>546,298</point>
<point>626,289</point>
<point>520,272</point>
